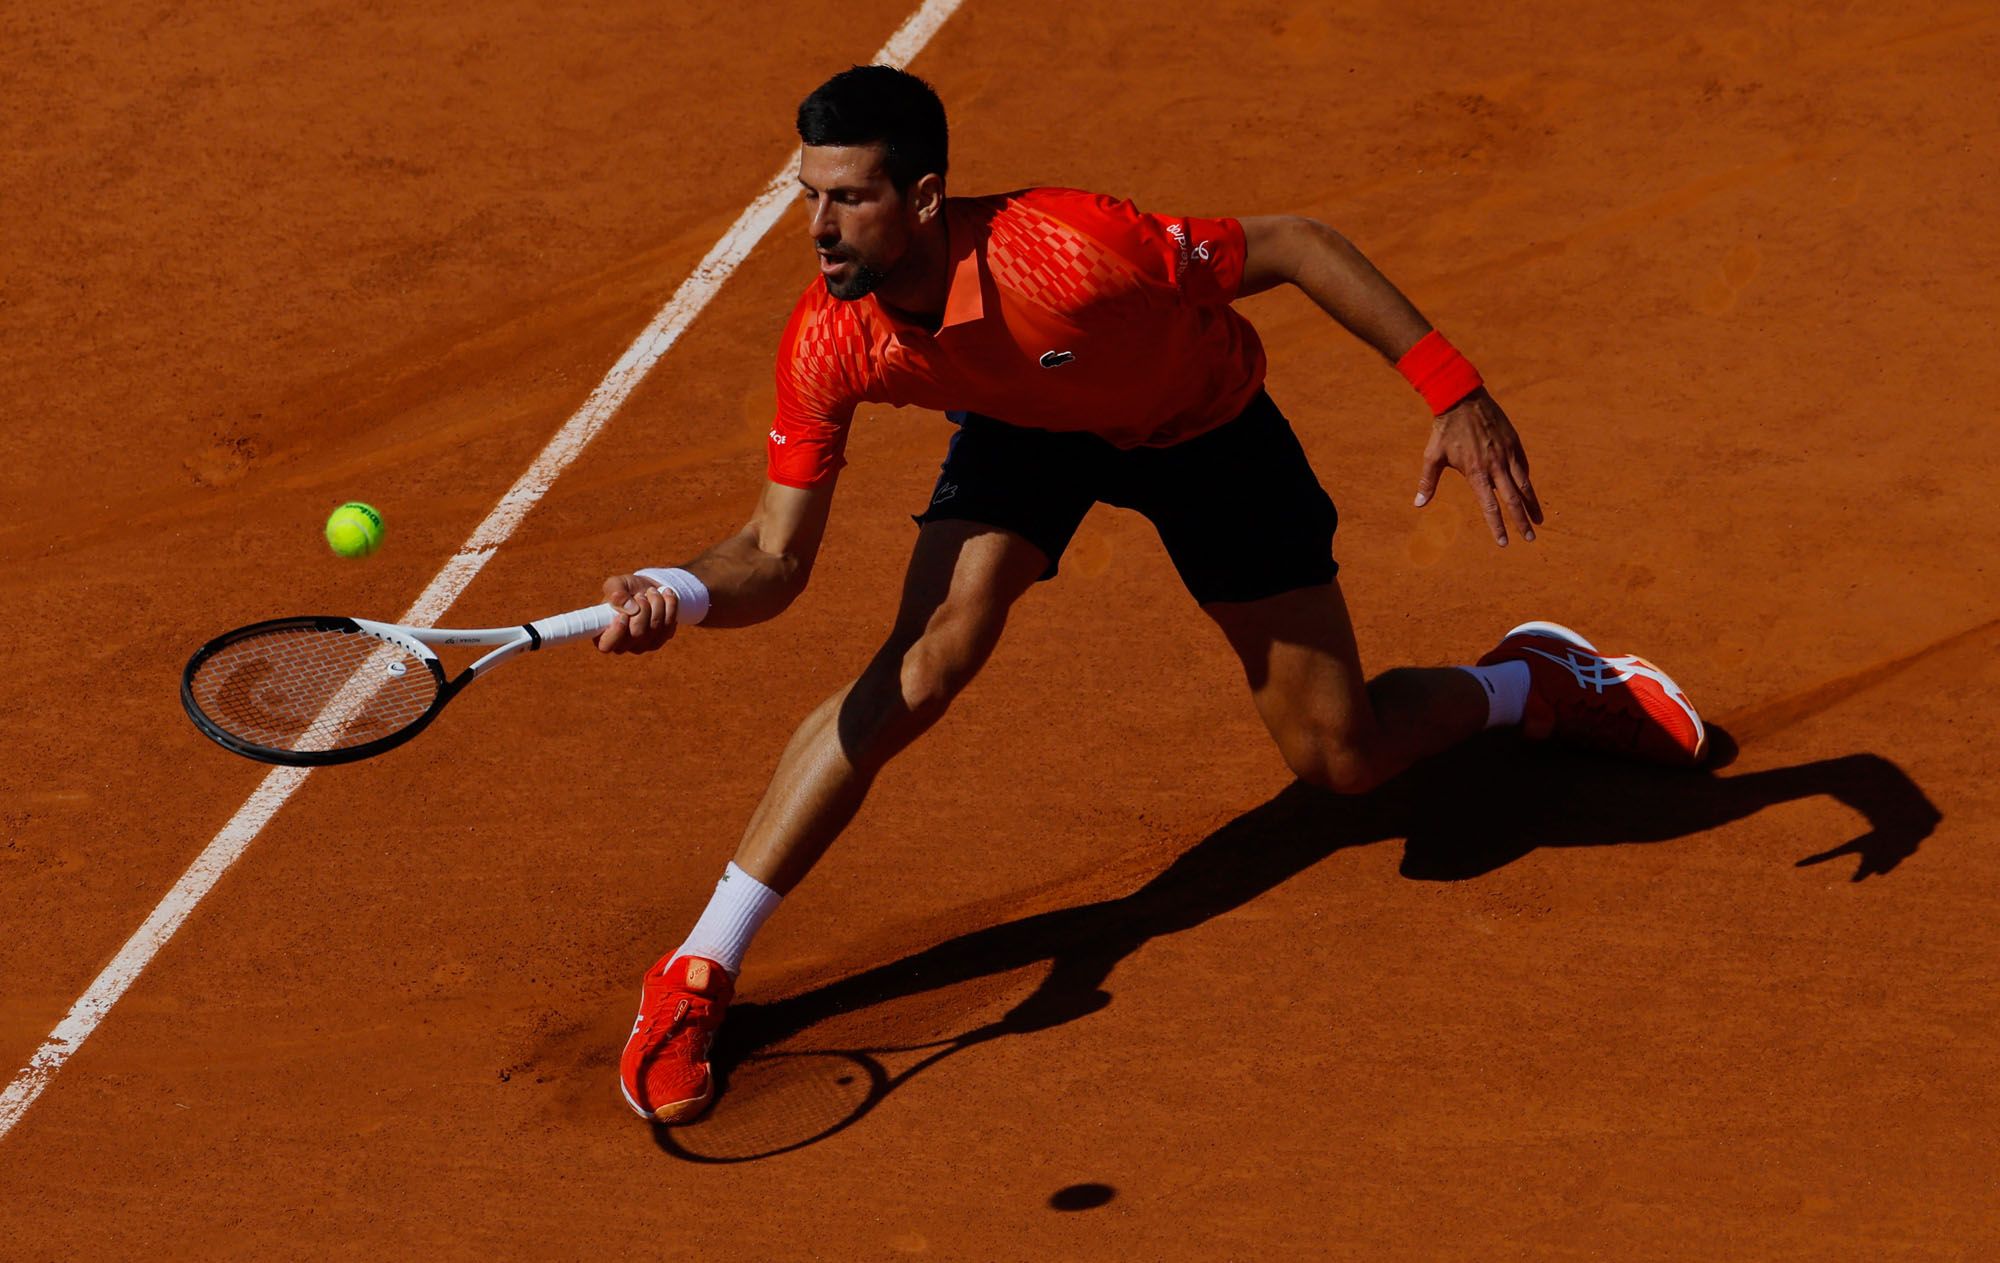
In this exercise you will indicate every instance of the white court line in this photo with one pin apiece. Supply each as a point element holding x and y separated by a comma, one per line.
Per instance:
<point>450,582</point>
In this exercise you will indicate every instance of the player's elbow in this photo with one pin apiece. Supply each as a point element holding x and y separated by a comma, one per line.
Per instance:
<point>1316,238</point>
<point>790,575</point>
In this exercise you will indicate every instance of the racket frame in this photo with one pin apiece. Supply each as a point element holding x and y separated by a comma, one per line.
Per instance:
<point>419,642</point>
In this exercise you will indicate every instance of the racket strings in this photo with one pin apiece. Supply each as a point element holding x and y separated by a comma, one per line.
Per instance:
<point>309,689</point>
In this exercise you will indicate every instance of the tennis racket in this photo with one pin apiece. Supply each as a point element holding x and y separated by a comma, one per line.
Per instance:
<point>314,690</point>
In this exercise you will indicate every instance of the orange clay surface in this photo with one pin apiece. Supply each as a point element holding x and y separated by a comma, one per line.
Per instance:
<point>1730,266</point>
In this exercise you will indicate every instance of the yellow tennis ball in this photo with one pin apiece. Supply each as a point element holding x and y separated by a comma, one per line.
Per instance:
<point>354,529</point>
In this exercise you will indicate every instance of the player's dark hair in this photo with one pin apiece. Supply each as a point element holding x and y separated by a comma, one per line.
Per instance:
<point>869,105</point>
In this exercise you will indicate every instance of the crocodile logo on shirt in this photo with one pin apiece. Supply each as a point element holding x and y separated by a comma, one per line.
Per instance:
<point>1056,359</point>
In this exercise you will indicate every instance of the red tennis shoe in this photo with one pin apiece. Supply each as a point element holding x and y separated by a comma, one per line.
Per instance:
<point>1622,704</point>
<point>664,1072</point>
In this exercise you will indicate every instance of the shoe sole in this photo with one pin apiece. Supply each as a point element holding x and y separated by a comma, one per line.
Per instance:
<point>678,1112</point>
<point>1556,631</point>
<point>675,1112</point>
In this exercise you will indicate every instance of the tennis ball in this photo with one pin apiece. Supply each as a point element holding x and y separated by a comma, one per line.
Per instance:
<point>354,529</point>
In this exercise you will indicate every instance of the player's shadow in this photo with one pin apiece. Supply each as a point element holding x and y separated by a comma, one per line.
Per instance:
<point>1461,816</point>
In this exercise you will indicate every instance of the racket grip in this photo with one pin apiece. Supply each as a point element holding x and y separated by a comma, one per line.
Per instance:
<point>560,629</point>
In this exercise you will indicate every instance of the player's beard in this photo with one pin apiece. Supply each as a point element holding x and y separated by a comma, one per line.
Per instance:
<point>860,283</point>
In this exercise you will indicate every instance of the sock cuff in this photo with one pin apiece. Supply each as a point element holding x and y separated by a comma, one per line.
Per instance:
<point>1506,686</point>
<point>752,887</point>
<point>735,912</point>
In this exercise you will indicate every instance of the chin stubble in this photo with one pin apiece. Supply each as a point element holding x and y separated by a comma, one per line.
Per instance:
<point>862,283</point>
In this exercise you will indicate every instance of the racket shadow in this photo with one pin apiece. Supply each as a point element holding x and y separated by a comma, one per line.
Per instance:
<point>780,1101</point>
<point>1460,817</point>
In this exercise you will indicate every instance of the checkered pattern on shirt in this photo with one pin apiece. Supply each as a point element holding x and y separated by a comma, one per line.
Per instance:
<point>827,362</point>
<point>1054,264</point>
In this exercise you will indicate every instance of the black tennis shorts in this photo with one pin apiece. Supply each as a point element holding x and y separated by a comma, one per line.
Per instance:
<point>1239,508</point>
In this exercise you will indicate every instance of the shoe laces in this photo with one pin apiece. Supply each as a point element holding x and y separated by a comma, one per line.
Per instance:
<point>658,1031</point>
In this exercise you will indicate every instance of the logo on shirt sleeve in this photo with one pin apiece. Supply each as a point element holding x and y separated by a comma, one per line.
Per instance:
<point>1197,251</point>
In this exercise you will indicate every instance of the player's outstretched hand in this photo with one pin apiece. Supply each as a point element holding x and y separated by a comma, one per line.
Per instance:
<point>1477,440</point>
<point>646,615</point>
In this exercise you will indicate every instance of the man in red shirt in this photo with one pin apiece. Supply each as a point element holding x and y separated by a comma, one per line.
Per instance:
<point>1086,352</point>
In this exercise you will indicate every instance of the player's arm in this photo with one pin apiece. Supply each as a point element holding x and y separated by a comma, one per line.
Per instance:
<point>750,576</point>
<point>1473,435</point>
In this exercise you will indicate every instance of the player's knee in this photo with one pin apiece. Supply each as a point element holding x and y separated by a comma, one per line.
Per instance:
<point>1332,761</point>
<point>935,666</point>
<point>934,670</point>
<point>905,690</point>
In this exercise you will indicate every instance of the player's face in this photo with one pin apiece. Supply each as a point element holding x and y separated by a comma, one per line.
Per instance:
<point>861,225</point>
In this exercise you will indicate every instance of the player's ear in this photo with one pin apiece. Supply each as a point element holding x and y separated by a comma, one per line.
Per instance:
<point>927,197</point>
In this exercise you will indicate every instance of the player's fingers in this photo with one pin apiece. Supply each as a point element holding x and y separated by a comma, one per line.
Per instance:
<point>649,625</point>
<point>658,626</point>
<point>1434,464</point>
<point>669,613</point>
<point>1516,504</point>
<point>612,638</point>
<point>618,592</point>
<point>1482,487</point>
<point>641,622</point>
<point>1517,466</point>
<point>1532,500</point>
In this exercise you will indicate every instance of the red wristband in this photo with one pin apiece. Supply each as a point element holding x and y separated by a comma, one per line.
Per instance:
<point>1440,374</point>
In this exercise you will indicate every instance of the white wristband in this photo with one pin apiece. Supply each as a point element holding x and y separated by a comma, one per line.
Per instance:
<point>693,593</point>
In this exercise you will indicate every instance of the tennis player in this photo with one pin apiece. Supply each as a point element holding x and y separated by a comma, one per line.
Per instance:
<point>1086,351</point>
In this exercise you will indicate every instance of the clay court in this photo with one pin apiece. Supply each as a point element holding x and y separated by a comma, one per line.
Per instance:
<point>1090,977</point>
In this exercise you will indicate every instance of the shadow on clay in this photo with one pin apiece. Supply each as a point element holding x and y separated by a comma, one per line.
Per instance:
<point>1460,816</point>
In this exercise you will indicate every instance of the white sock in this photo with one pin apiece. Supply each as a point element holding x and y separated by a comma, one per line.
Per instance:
<point>735,911</point>
<point>1506,685</point>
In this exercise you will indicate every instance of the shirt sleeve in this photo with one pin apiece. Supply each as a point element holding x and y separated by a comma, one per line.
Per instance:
<point>1200,257</point>
<point>817,372</point>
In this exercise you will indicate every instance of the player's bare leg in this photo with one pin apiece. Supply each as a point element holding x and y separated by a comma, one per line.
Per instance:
<point>1334,729</point>
<point>962,580</point>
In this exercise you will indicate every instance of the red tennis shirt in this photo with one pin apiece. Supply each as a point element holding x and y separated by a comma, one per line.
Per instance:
<point>1067,311</point>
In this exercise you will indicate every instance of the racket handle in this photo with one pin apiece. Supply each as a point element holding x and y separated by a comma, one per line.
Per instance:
<point>560,629</point>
